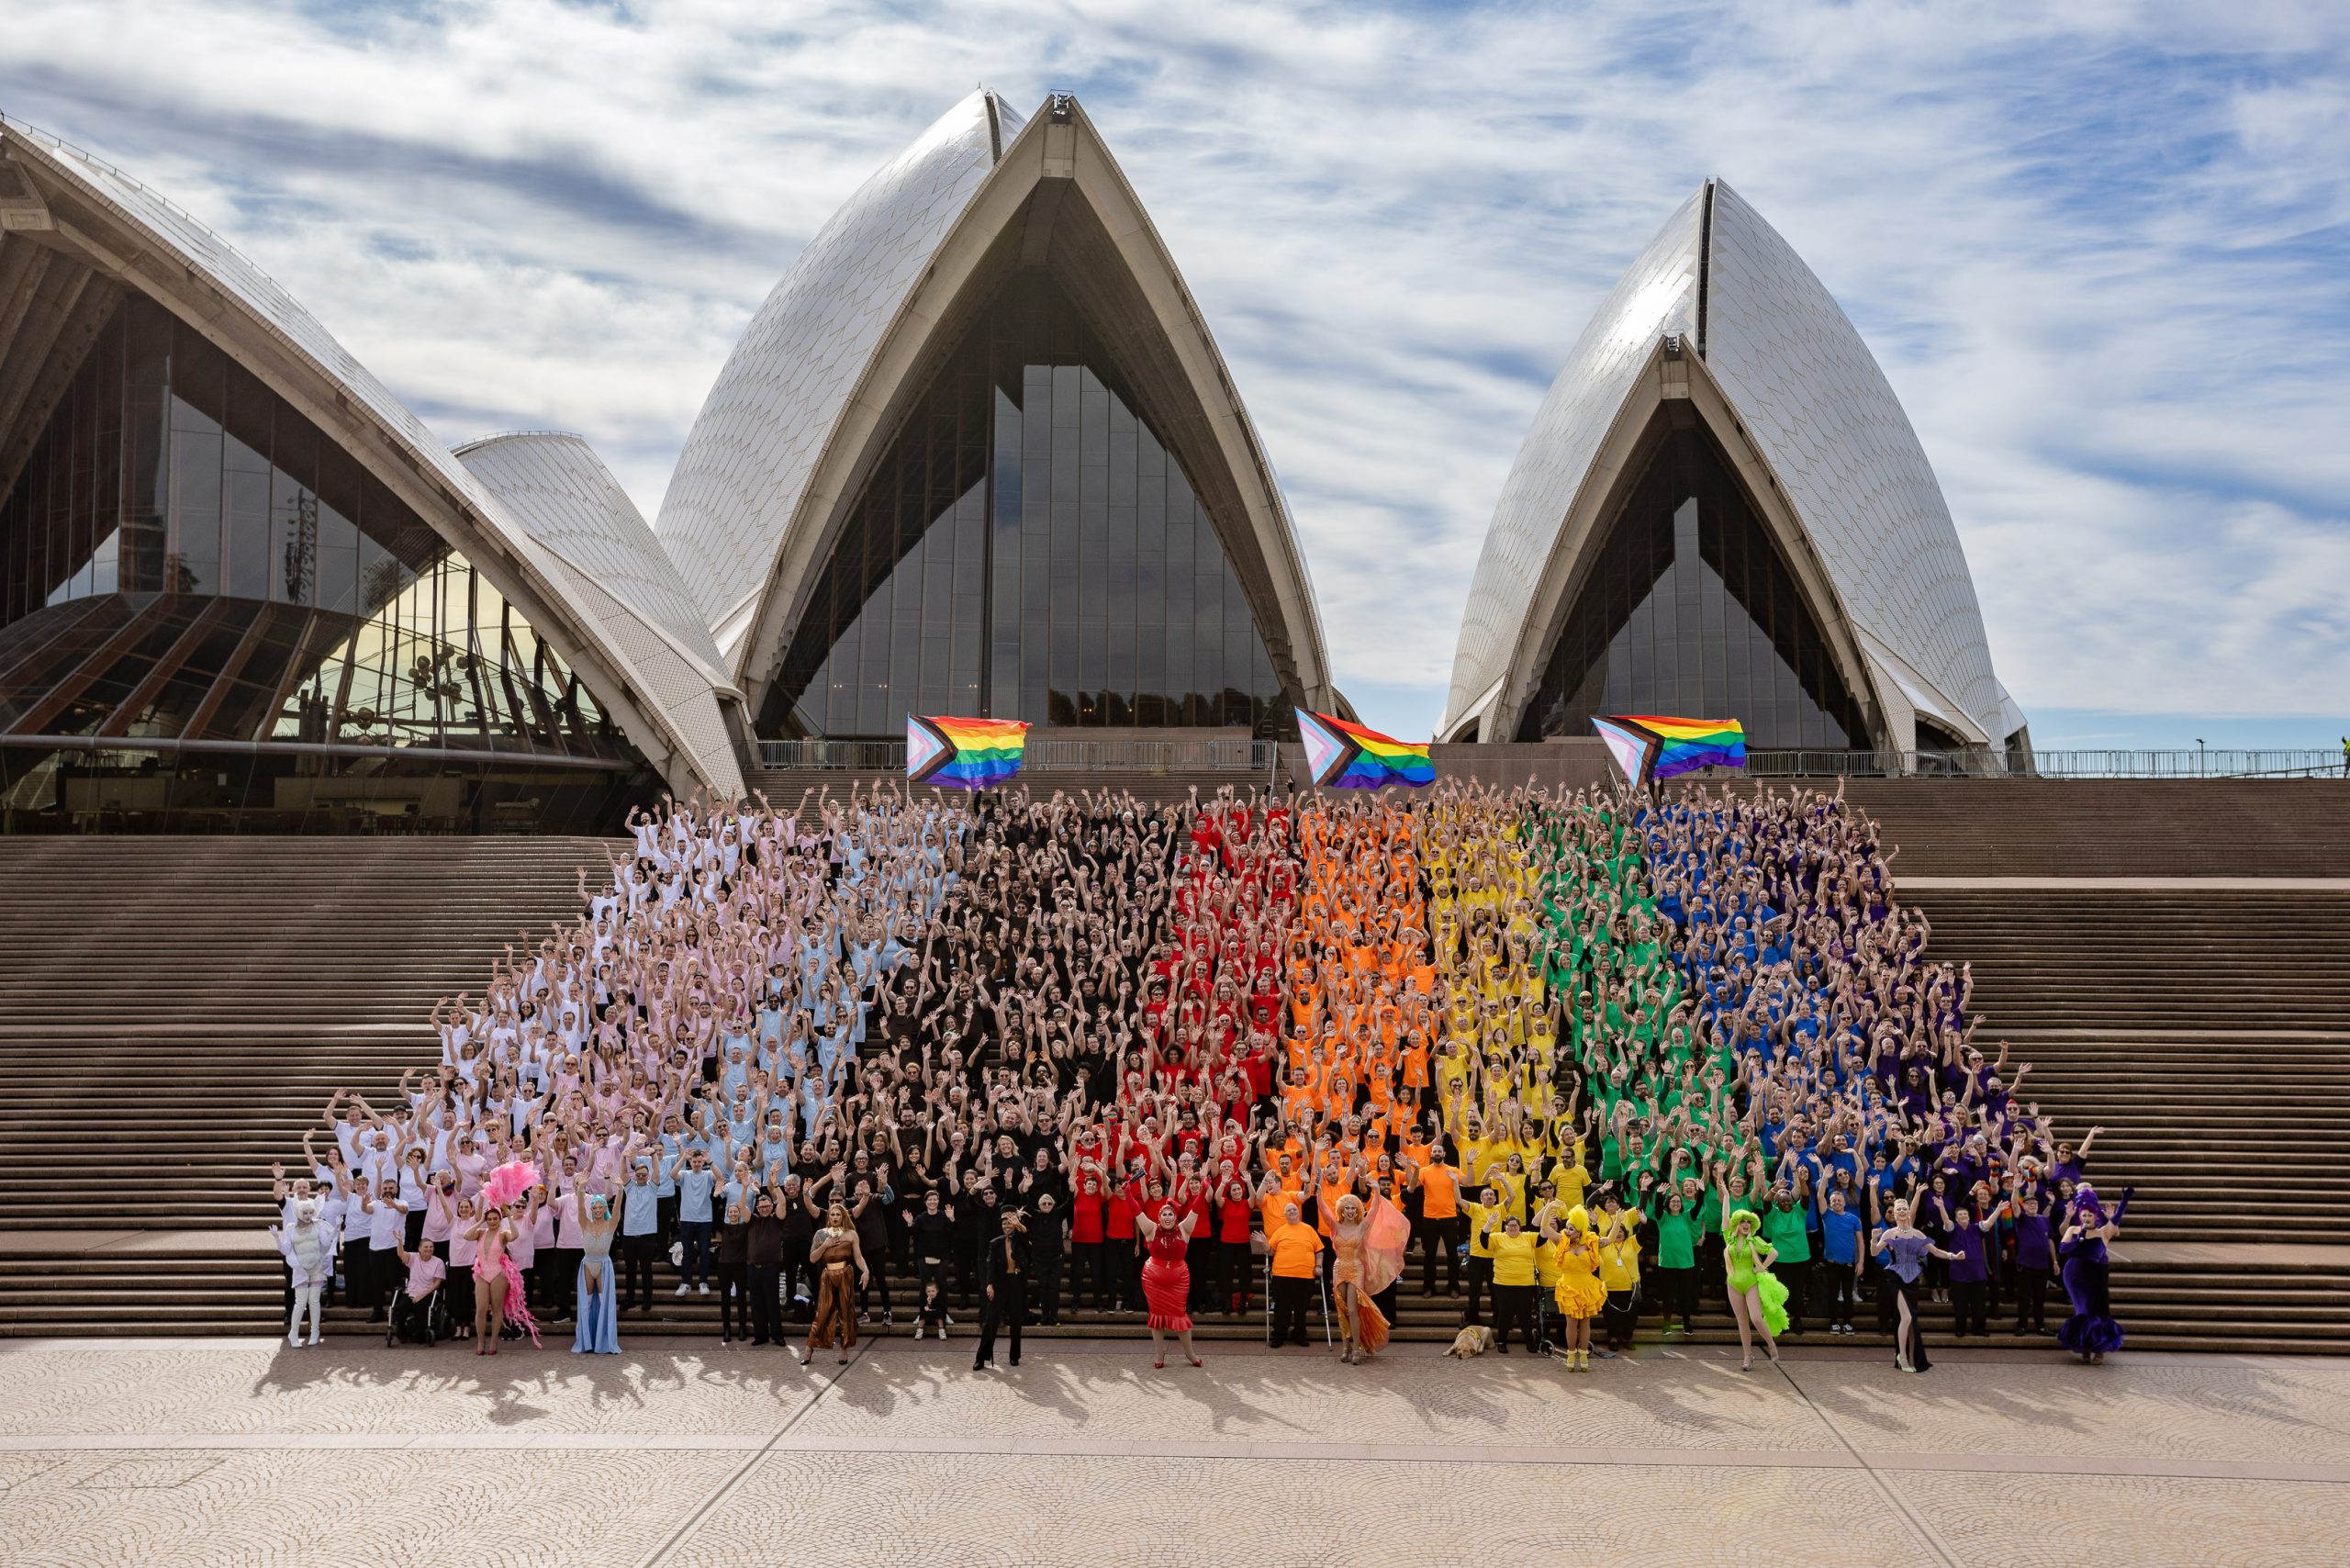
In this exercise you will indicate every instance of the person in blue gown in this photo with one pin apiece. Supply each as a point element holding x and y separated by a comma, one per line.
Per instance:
<point>600,1326</point>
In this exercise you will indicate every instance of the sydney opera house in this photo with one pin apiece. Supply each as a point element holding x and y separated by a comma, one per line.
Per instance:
<point>976,454</point>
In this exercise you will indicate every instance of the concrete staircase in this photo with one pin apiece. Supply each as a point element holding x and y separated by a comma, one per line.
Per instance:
<point>2206,1029</point>
<point>2111,827</point>
<point>172,1011</point>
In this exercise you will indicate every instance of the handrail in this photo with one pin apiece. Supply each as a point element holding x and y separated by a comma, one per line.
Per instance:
<point>1179,753</point>
<point>2202,763</point>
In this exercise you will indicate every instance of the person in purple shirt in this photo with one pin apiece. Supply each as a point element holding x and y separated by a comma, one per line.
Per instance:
<point>2035,1260</point>
<point>1969,1276</point>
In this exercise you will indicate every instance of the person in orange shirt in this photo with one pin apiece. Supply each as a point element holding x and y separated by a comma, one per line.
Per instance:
<point>1294,1247</point>
<point>1437,1226</point>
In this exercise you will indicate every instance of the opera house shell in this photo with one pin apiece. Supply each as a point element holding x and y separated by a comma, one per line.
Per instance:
<point>239,578</point>
<point>978,454</point>
<point>1721,510</point>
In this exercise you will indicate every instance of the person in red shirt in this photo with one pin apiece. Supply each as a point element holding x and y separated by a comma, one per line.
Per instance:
<point>1236,1270</point>
<point>1088,1249</point>
<point>1119,1262</point>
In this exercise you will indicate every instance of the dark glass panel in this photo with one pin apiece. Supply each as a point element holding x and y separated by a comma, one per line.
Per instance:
<point>246,545</point>
<point>1082,584</point>
<point>167,713</point>
<point>1003,544</point>
<point>294,512</point>
<point>1688,608</point>
<point>166,466</point>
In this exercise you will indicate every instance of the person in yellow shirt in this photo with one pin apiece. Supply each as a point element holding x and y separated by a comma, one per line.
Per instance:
<point>1548,1214</point>
<point>1620,1271</point>
<point>1481,1249</point>
<point>1514,1275</point>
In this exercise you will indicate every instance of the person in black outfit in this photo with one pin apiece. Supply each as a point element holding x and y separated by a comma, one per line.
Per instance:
<point>1005,1271</point>
<point>932,1228</point>
<point>797,1279</point>
<point>1047,1238</point>
<point>733,1282</point>
<point>763,1269</point>
<point>975,1222</point>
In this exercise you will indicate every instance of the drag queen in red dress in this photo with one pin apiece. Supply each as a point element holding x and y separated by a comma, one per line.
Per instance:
<point>1167,1279</point>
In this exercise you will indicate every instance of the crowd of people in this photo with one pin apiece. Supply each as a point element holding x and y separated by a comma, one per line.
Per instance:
<point>909,1056</point>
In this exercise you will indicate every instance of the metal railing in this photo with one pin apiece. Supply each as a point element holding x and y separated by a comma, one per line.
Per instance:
<point>1203,754</point>
<point>2204,763</point>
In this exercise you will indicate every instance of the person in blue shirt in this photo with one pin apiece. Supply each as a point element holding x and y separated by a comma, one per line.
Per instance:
<point>641,1240</point>
<point>696,1185</point>
<point>1840,1261</point>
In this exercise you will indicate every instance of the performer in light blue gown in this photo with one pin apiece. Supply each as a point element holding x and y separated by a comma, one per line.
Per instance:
<point>599,1326</point>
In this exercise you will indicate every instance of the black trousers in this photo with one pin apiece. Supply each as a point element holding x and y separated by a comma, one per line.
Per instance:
<point>877,1280</point>
<point>1045,1292</point>
<point>1008,1310</point>
<point>1236,1287</point>
<point>1843,1291</point>
<point>637,1253</point>
<point>459,1295</point>
<point>383,1276</point>
<point>798,1278</point>
<point>563,1263</point>
<point>2032,1298</point>
<point>1439,1248</point>
<point>733,1302</point>
<point>967,1268</point>
<point>1291,1297</point>
<point>1620,1318</point>
<point>1512,1308</point>
<point>763,1280</point>
<point>1796,1277</point>
<point>1199,1262</point>
<point>1676,1290</point>
<point>1971,1306</point>
<point>1089,1275</point>
<point>1481,1274</point>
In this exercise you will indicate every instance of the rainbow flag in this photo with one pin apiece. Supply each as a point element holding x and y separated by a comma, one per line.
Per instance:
<point>1347,757</point>
<point>963,754</point>
<point>1648,748</point>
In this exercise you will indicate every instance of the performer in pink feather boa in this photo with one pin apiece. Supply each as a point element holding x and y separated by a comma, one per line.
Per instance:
<point>498,1296</point>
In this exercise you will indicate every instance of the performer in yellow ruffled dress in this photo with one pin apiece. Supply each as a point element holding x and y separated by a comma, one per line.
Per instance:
<point>1580,1294</point>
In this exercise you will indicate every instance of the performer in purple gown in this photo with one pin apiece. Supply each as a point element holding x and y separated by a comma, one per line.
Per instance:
<point>2090,1331</point>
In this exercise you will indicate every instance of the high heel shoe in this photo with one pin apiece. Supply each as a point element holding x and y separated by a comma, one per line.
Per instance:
<point>1159,1365</point>
<point>1196,1361</point>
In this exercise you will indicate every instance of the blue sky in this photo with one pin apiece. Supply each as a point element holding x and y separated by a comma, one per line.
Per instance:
<point>2101,250</point>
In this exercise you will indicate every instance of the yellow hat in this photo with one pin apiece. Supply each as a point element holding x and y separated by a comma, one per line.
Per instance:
<point>1579,1217</point>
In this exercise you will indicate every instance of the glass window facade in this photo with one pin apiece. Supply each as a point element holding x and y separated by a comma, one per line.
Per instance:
<point>188,565</point>
<point>1689,609</point>
<point>1026,548</point>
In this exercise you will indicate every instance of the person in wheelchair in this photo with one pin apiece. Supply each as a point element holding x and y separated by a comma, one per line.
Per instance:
<point>416,1306</point>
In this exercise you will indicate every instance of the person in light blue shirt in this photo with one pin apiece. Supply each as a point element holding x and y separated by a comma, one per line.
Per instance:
<point>641,1236</point>
<point>696,1185</point>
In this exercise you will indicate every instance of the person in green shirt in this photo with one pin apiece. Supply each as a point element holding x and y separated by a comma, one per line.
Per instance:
<point>1783,1230</point>
<point>1676,1262</point>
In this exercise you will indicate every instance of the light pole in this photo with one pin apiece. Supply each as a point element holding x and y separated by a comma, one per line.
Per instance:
<point>2198,757</point>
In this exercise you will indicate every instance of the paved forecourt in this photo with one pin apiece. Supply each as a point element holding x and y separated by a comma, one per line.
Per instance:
<point>173,1451</point>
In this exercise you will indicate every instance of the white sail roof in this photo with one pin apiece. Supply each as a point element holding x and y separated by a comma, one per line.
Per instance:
<point>1820,414</point>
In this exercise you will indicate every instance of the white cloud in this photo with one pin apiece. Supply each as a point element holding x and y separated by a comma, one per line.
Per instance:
<point>2097,249</point>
